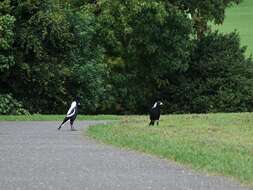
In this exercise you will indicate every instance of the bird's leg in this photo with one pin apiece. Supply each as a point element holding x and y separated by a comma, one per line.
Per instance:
<point>151,122</point>
<point>64,121</point>
<point>71,125</point>
<point>157,122</point>
<point>72,128</point>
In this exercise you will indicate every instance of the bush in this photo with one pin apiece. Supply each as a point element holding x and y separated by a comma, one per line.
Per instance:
<point>220,78</point>
<point>9,105</point>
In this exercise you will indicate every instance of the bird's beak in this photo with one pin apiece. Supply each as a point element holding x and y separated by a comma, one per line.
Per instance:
<point>161,104</point>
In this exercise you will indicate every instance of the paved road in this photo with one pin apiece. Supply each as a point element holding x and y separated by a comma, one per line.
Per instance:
<point>35,156</point>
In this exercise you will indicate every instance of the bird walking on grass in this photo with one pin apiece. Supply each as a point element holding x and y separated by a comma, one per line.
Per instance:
<point>71,114</point>
<point>155,113</point>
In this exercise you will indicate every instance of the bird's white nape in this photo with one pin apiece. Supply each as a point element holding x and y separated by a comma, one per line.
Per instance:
<point>154,106</point>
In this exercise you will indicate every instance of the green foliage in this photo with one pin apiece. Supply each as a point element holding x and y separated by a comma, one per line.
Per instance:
<point>40,30</point>
<point>89,85</point>
<point>219,77</point>
<point>147,44</point>
<point>120,56</point>
<point>88,71</point>
<point>203,12</point>
<point>10,106</point>
<point>150,36</point>
<point>6,37</point>
<point>5,7</point>
<point>51,43</point>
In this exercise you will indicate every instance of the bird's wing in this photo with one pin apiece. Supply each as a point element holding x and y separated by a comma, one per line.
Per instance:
<point>154,106</point>
<point>71,110</point>
<point>152,114</point>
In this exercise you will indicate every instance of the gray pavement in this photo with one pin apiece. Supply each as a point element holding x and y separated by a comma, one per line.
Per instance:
<point>35,156</point>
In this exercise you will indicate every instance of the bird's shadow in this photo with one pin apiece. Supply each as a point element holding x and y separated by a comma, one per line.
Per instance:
<point>68,130</point>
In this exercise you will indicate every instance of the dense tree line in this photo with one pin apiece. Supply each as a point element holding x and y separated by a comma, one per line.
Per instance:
<point>120,56</point>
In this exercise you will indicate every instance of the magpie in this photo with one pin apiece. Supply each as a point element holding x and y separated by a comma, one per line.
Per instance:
<point>71,114</point>
<point>155,112</point>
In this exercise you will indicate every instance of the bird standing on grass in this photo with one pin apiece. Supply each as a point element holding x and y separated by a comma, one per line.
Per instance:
<point>155,112</point>
<point>72,113</point>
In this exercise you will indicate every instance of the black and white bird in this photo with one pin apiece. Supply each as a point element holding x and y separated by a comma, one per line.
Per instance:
<point>71,114</point>
<point>155,113</point>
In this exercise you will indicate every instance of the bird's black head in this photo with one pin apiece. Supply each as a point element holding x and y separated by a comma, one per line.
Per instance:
<point>157,104</point>
<point>77,99</point>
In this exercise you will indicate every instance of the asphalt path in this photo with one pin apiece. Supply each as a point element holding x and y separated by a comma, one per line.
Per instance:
<point>35,156</point>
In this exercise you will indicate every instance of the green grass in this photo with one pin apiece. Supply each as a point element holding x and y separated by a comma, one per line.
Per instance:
<point>39,117</point>
<point>214,143</point>
<point>240,18</point>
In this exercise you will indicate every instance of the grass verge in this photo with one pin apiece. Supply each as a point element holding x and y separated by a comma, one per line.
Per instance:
<point>216,143</point>
<point>38,117</point>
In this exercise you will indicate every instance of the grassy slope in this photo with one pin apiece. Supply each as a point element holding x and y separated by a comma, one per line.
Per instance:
<point>38,117</point>
<point>240,18</point>
<point>217,143</point>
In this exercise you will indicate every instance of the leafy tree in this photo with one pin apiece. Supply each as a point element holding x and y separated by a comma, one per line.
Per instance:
<point>88,72</point>
<point>119,56</point>
<point>41,32</point>
<point>10,106</point>
<point>53,54</point>
<point>219,78</point>
<point>204,11</point>
<point>6,38</point>
<point>146,40</point>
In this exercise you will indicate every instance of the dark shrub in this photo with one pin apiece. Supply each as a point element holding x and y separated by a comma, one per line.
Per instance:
<point>219,75</point>
<point>9,105</point>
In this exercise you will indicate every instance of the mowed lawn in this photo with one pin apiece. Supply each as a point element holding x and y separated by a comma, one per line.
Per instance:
<point>216,143</point>
<point>240,17</point>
